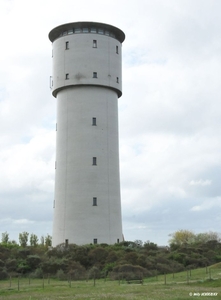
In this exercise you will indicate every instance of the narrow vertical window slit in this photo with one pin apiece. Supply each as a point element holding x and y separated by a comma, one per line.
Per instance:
<point>94,201</point>
<point>94,121</point>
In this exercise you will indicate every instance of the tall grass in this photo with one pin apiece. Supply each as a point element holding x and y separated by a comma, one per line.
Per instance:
<point>169,286</point>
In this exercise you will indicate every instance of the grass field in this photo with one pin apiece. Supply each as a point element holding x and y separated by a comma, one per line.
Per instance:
<point>183,285</point>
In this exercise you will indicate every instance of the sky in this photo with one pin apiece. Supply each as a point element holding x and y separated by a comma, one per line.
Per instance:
<point>169,114</point>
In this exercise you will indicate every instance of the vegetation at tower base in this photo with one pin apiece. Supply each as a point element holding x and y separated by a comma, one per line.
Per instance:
<point>127,260</point>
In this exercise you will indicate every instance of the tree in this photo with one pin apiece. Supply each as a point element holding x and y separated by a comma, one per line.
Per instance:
<point>48,240</point>
<point>150,246</point>
<point>128,272</point>
<point>33,261</point>
<point>182,237</point>
<point>5,237</point>
<point>80,254</point>
<point>97,256</point>
<point>207,236</point>
<point>75,270</point>
<point>94,273</point>
<point>138,243</point>
<point>22,266</point>
<point>33,240</point>
<point>131,258</point>
<point>42,240</point>
<point>23,238</point>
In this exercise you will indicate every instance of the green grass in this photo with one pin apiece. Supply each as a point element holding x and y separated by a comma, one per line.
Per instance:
<point>216,266</point>
<point>201,274</point>
<point>177,287</point>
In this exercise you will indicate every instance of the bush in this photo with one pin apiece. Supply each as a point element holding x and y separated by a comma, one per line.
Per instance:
<point>128,272</point>
<point>33,261</point>
<point>164,268</point>
<point>3,274</point>
<point>218,258</point>
<point>22,266</point>
<point>38,273</point>
<point>1,263</point>
<point>179,257</point>
<point>150,246</point>
<point>53,264</point>
<point>177,267</point>
<point>97,256</point>
<point>76,271</point>
<point>61,275</point>
<point>93,273</point>
<point>131,258</point>
<point>11,264</point>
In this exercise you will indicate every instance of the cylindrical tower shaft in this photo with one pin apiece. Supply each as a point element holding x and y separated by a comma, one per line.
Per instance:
<point>87,82</point>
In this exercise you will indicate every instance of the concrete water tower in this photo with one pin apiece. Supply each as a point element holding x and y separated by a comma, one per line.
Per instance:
<point>87,82</point>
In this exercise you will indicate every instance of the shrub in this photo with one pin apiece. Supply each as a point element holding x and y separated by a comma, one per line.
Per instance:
<point>164,268</point>
<point>131,258</point>
<point>22,266</point>
<point>150,246</point>
<point>128,272</point>
<point>97,256</point>
<point>53,265</point>
<point>76,271</point>
<point>94,273</point>
<point>38,273</point>
<point>218,258</point>
<point>33,261</point>
<point>3,274</point>
<point>112,257</point>
<point>61,275</point>
<point>11,264</point>
<point>1,263</point>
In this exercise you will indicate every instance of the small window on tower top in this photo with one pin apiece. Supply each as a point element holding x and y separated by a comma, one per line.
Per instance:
<point>94,201</point>
<point>94,43</point>
<point>94,121</point>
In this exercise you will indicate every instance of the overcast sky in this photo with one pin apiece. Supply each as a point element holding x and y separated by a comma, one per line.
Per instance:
<point>169,114</point>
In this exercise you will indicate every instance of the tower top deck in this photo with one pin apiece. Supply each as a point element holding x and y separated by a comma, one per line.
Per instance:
<point>86,27</point>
